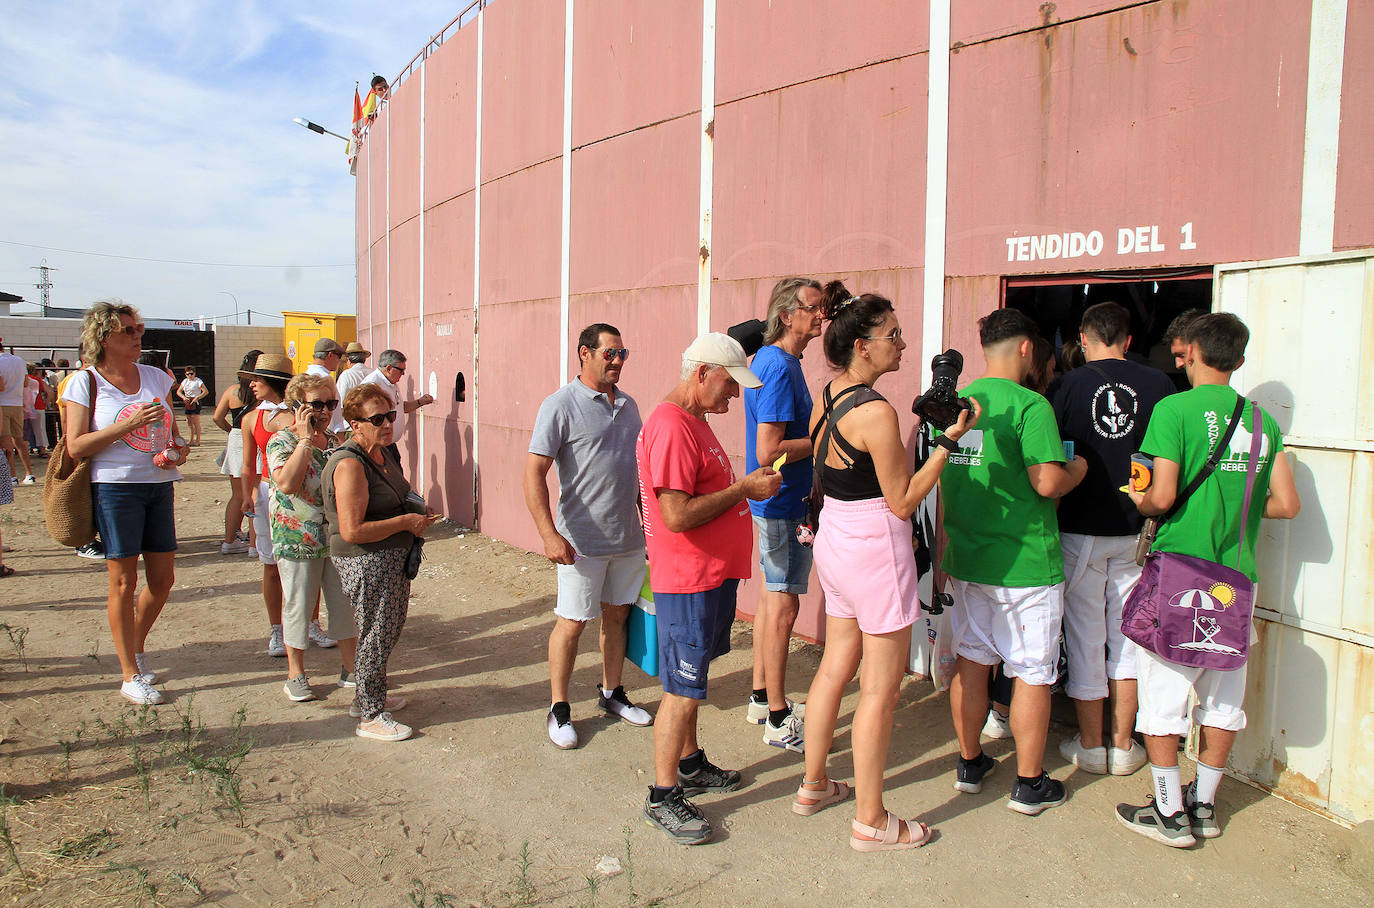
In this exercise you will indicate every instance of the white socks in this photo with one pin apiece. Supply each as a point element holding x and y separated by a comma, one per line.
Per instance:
<point>1168,788</point>
<point>1208,779</point>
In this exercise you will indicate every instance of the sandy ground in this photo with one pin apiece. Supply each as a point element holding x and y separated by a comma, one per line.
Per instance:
<point>108,805</point>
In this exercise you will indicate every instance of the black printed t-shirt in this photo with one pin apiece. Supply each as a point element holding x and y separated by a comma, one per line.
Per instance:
<point>1103,408</point>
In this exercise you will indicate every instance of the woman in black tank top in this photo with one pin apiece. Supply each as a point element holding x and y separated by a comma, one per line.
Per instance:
<point>229,410</point>
<point>864,560</point>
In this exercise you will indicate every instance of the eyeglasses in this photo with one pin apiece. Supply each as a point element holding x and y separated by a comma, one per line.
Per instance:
<point>401,368</point>
<point>326,405</point>
<point>134,330</point>
<point>378,419</point>
<point>610,353</point>
<point>808,308</point>
<point>895,336</point>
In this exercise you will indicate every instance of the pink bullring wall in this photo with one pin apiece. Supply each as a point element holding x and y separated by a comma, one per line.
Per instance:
<point>1067,117</point>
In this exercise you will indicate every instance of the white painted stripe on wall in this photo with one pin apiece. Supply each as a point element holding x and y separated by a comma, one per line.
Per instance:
<point>367,247</point>
<point>565,263</point>
<point>477,270</point>
<point>937,176</point>
<point>708,128</point>
<point>388,229</point>
<point>420,414</point>
<point>1325,63</point>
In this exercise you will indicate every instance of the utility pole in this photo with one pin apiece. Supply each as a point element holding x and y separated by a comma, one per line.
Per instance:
<point>44,284</point>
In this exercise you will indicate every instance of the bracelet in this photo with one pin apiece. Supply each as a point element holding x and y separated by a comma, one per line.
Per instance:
<point>944,441</point>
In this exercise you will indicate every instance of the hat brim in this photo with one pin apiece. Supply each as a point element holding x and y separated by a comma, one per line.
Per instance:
<point>266,373</point>
<point>742,375</point>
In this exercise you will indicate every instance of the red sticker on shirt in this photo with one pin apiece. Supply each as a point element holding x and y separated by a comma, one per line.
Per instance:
<point>150,438</point>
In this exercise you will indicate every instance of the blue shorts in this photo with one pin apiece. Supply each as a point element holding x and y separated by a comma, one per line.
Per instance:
<point>693,629</point>
<point>786,562</point>
<point>134,517</point>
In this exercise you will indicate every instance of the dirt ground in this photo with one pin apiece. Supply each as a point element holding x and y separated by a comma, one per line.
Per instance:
<point>109,805</point>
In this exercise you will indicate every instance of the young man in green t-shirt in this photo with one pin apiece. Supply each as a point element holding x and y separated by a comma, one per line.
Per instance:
<point>1003,560</point>
<point>1182,432</point>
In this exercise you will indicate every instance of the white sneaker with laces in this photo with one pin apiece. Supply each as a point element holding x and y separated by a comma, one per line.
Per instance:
<point>141,659</point>
<point>30,480</point>
<point>1124,761</point>
<point>276,644</point>
<point>392,705</point>
<point>319,637</point>
<point>139,692</point>
<point>1088,759</point>
<point>233,548</point>
<point>997,727</point>
<point>384,728</point>
<point>790,735</point>
<point>561,731</point>
<point>615,703</point>
<point>757,713</point>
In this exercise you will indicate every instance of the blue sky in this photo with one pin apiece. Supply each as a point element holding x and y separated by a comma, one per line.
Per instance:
<point>163,130</point>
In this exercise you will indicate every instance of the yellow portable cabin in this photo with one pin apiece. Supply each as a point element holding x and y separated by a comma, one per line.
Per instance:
<point>302,329</point>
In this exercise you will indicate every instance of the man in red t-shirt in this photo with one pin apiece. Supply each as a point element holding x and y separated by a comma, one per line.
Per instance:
<point>698,532</point>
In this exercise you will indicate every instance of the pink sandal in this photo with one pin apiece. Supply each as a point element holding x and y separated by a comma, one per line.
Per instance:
<point>834,793</point>
<point>889,838</point>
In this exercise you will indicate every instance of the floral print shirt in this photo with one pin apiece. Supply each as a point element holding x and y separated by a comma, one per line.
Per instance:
<point>298,524</point>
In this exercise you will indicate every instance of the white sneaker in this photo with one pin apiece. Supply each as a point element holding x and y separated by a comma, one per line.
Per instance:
<point>561,731</point>
<point>141,659</point>
<point>319,637</point>
<point>139,692</point>
<point>384,728</point>
<point>1124,761</point>
<point>276,644</point>
<point>789,735</point>
<point>233,548</point>
<point>29,480</point>
<point>997,727</point>
<point>347,679</point>
<point>1088,759</point>
<point>392,705</point>
<point>757,713</point>
<point>615,703</point>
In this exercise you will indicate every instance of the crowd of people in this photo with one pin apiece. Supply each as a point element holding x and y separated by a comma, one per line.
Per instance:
<point>1038,511</point>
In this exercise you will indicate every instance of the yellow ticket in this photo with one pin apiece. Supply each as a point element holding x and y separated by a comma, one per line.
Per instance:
<point>777,464</point>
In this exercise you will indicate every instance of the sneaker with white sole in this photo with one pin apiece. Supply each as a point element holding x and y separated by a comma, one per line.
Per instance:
<point>678,817</point>
<point>298,689</point>
<point>1088,759</point>
<point>384,728</point>
<point>347,680</point>
<point>29,480</point>
<point>1201,817</point>
<point>1124,761</point>
<point>92,550</point>
<point>757,713</point>
<point>997,727</point>
<point>139,692</point>
<point>969,774</point>
<point>790,735</point>
<point>1032,800</point>
<point>708,778</point>
<point>561,731</point>
<point>617,704</point>
<point>141,660</point>
<point>276,644</point>
<point>1174,831</point>
<point>319,637</point>
<point>233,548</point>
<point>392,705</point>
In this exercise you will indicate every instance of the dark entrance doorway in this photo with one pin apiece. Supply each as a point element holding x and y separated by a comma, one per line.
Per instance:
<point>1154,299</point>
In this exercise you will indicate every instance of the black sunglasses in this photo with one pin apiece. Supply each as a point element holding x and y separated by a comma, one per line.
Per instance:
<point>322,404</point>
<point>378,419</point>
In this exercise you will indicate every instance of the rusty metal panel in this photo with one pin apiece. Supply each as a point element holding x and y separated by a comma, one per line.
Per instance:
<point>980,20</point>
<point>634,210</point>
<point>763,45</point>
<point>522,86</point>
<point>1351,792</point>
<point>450,117</point>
<point>1139,138</point>
<point>1357,613</point>
<point>1354,175</point>
<point>621,46</point>
<point>403,112</point>
<point>521,236</point>
<point>779,206</point>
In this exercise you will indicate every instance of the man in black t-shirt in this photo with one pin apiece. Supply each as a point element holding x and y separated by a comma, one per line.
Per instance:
<point>1103,408</point>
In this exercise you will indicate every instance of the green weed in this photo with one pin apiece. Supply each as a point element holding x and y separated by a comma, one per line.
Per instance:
<point>91,845</point>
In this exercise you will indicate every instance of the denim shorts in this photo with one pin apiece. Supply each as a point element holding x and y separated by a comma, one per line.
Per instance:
<point>693,629</point>
<point>786,562</point>
<point>134,517</point>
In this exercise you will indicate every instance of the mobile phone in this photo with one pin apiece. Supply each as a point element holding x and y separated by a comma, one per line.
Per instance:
<point>1068,450</point>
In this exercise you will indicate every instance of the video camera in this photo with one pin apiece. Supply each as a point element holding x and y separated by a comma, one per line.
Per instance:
<point>941,405</point>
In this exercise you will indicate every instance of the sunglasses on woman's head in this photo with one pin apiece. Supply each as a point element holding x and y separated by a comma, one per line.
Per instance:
<point>379,418</point>
<point>322,404</point>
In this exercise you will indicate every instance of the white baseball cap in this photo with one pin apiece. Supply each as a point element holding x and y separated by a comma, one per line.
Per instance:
<point>719,349</point>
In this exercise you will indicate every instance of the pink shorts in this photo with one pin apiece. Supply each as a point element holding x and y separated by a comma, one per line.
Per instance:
<point>866,565</point>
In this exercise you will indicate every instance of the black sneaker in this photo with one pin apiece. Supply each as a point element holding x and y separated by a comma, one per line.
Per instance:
<point>968,777</point>
<point>1031,800</point>
<point>708,778</point>
<point>1174,831</point>
<point>1201,817</point>
<point>678,817</point>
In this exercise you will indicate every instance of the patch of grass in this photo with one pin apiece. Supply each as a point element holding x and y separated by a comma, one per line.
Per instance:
<point>420,897</point>
<point>17,635</point>
<point>6,837</point>
<point>91,845</point>
<point>188,882</point>
<point>68,747</point>
<point>524,889</point>
<point>145,892</point>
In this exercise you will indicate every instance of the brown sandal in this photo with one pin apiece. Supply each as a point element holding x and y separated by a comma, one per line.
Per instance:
<point>888,838</point>
<point>834,793</point>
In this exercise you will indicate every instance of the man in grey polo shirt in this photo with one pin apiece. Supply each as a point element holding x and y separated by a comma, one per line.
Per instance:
<point>589,428</point>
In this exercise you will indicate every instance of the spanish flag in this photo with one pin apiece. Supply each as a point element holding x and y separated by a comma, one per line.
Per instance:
<point>355,144</point>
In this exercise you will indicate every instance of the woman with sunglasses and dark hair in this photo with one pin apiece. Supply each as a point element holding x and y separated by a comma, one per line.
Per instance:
<point>130,436</point>
<point>373,521</point>
<point>296,457</point>
<point>229,410</point>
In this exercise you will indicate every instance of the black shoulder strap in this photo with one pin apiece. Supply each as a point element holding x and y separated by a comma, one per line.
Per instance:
<point>1098,369</point>
<point>1212,461</point>
<point>855,395</point>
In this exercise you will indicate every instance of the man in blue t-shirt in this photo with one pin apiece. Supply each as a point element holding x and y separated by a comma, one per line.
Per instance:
<point>776,419</point>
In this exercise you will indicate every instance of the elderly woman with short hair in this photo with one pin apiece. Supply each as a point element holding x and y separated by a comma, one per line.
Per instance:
<point>130,425</point>
<point>374,519</point>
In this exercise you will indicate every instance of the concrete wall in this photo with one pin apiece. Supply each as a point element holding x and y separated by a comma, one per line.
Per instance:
<point>233,341</point>
<point>41,334</point>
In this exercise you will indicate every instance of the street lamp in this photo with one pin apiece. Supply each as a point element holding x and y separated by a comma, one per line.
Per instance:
<point>236,304</point>
<point>315,127</point>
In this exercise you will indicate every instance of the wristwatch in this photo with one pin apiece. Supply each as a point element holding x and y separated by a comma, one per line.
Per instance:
<point>949,444</point>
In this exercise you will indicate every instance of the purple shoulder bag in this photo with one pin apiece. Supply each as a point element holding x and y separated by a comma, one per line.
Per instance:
<point>1191,611</point>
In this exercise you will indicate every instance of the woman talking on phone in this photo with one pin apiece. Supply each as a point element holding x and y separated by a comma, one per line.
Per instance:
<point>130,436</point>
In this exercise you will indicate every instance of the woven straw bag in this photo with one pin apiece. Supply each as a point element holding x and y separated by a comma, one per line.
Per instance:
<point>67,492</point>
